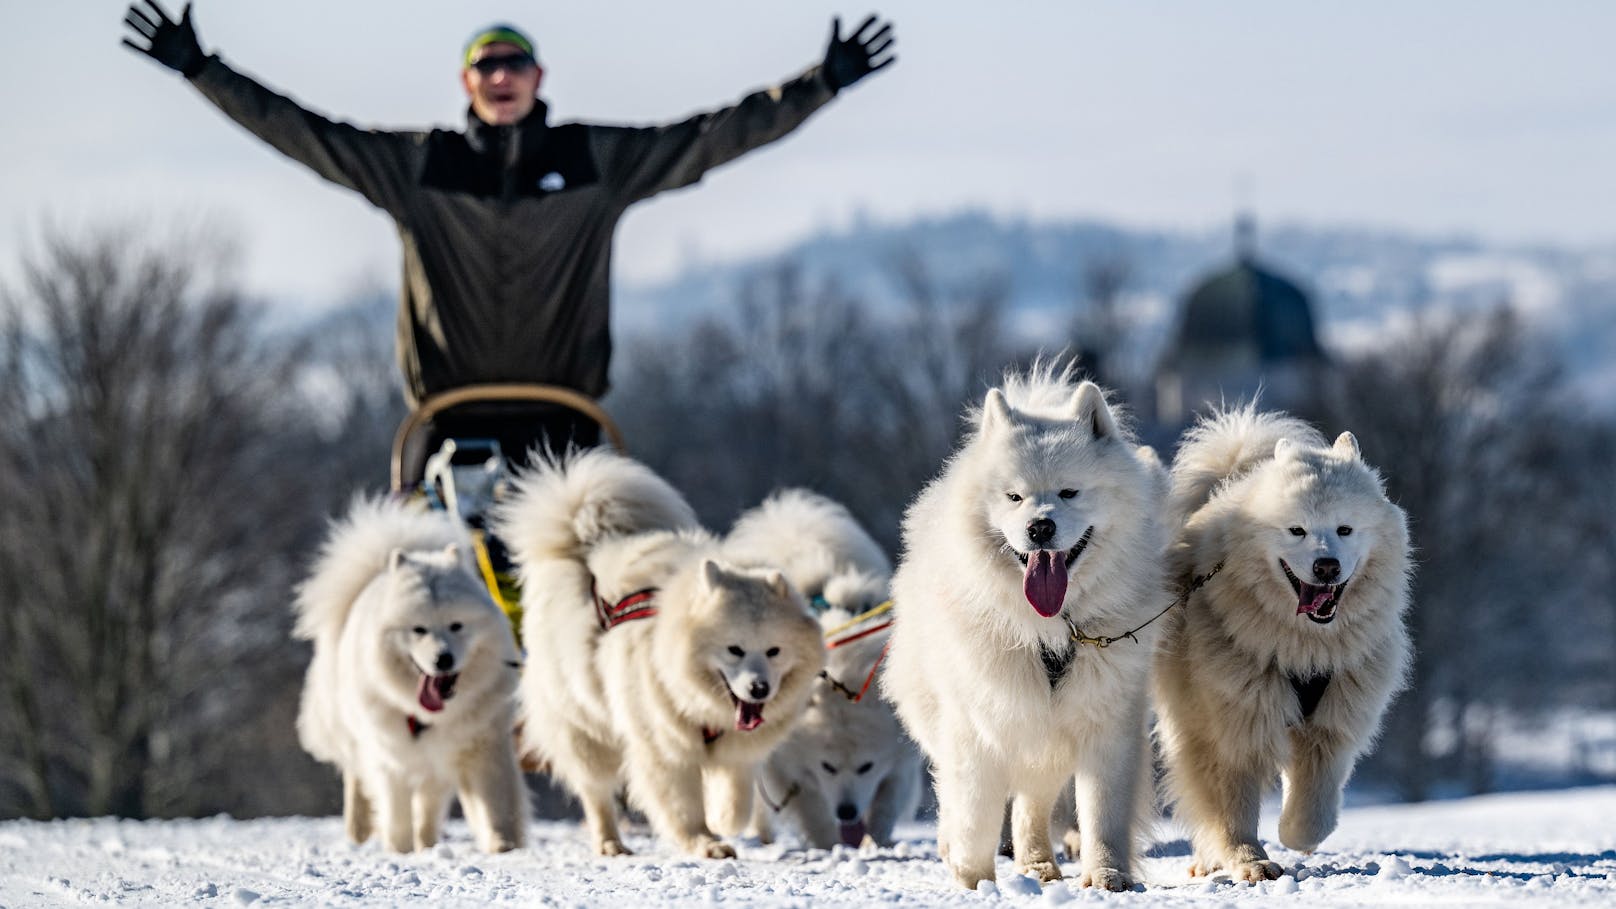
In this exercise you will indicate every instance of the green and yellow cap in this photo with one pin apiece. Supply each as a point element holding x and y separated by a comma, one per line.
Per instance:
<point>498,33</point>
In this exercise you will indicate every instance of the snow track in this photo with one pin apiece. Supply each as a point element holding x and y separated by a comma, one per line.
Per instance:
<point>1542,849</point>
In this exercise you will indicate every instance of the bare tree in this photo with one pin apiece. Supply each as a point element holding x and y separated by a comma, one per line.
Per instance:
<point>1468,420</point>
<point>145,544</point>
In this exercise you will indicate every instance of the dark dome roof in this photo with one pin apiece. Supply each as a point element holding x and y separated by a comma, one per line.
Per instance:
<point>1245,309</point>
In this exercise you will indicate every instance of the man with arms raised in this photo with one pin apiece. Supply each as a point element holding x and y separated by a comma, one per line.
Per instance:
<point>507,226</point>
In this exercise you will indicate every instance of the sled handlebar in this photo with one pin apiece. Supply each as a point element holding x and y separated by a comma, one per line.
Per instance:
<point>504,391</point>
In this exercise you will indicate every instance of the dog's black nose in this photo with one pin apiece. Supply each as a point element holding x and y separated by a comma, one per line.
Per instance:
<point>1327,570</point>
<point>1041,531</point>
<point>759,690</point>
<point>846,812</point>
<point>445,662</point>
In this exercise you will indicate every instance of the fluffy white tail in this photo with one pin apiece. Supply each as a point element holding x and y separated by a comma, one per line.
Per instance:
<point>797,519</point>
<point>357,549</point>
<point>1227,443</point>
<point>565,505</point>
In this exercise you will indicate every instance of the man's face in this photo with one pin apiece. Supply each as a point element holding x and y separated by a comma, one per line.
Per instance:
<point>502,83</point>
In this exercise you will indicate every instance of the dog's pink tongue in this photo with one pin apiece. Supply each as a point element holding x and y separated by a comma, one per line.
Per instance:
<point>1313,599</point>
<point>428,695</point>
<point>853,833</point>
<point>1045,581</point>
<point>748,715</point>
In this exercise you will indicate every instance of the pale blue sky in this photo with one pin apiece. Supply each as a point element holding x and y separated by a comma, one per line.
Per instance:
<point>1494,118</point>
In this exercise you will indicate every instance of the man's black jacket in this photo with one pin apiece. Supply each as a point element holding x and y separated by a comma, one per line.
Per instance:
<point>507,231</point>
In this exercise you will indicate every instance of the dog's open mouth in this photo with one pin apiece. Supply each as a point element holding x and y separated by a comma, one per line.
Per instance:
<point>1316,601</point>
<point>1044,582</point>
<point>748,714</point>
<point>435,689</point>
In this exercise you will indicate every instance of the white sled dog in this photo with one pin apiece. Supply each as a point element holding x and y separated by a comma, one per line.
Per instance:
<point>848,772</point>
<point>411,692</point>
<point>1285,659</point>
<point>650,660</point>
<point>1043,528</point>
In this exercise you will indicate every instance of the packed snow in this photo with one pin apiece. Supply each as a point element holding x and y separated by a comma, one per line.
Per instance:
<point>1542,849</point>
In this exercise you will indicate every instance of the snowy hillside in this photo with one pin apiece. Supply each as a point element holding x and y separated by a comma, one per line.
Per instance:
<point>1545,849</point>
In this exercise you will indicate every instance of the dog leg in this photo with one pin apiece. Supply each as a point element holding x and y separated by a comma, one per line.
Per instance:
<point>1106,790</point>
<point>814,817</point>
<point>430,805</point>
<point>894,799</point>
<point>671,796</point>
<point>398,831</point>
<point>493,797</point>
<point>970,811</point>
<point>1029,830</point>
<point>356,808</point>
<point>1318,770</point>
<point>728,798</point>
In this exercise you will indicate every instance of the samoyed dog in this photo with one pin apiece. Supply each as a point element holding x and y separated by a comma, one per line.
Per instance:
<point>652,661</point>
<point>411,692</point>
<point>1290,648</point>
<point>848,772</point>
<point>1043,530</point>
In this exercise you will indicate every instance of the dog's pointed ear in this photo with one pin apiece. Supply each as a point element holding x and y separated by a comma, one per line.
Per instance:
<point>778,585</point>
<point>996,413</point>
<point>1088,406</point>
<point>712,576</point>
<point>1346,445</point>
<point>395,559</point>
<point>1284,449</point>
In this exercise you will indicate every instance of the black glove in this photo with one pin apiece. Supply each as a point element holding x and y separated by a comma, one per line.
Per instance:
<point>847,61</point>
<point>170,43</point>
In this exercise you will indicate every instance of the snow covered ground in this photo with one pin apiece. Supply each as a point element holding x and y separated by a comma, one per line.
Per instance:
<point>1541,849</point>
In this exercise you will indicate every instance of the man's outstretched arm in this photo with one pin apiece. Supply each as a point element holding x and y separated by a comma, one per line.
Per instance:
<point>375,164</point>
<point>644,162</point>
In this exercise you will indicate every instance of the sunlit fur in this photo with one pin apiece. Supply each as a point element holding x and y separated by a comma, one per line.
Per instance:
<point>387,570</point>
<point>629,705</point>
<point>1230,721</point>
<point>965,669</point>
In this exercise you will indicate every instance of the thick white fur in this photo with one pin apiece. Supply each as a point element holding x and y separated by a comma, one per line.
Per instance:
<point>807,536</point>
<point>846,760</point>
<point>630,705</point>
<point>965,669</point>
<point>848,765</point>
<point>1230,720</point>
<point>386,570</point>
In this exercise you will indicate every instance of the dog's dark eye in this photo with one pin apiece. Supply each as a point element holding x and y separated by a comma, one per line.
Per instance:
<point>455,627</point>
<point>828,768</point>
<point>1013,497</point>
<point>772,652</point>
<point>736,650</point>
<point>419,629</point>
<point>1068,493</point>
<point>865,767</point>
<point>1343,531</point>
<point>1298,532</point>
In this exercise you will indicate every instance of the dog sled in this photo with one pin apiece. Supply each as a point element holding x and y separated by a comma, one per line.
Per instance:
<point>466,474</point>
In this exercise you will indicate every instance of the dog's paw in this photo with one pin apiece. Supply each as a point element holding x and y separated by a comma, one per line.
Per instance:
<point>1305,833</point>
<point>970,877</point>
<point>716,850</point>
<point>1114,879</point>
<point>610,848</point>
<point>1072,842</point>
<point>1256,871</point>
<point>1044,871</point>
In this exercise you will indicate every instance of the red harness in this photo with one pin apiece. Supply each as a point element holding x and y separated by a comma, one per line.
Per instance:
<point>637,605</point>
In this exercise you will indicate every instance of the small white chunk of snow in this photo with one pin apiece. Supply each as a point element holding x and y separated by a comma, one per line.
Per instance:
<point>1285,884</point>
<point>987,888</point>
<point>1393,869</point>
<point>245,897</point>
<point>1056,893</point>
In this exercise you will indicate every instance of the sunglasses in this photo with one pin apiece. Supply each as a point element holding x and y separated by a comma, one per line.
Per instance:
<point>512,63</point>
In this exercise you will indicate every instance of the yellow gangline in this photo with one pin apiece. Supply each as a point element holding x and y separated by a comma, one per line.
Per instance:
<point>859,619</point>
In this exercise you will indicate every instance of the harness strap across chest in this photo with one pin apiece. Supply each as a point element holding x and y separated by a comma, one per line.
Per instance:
<point>1309,692</point>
